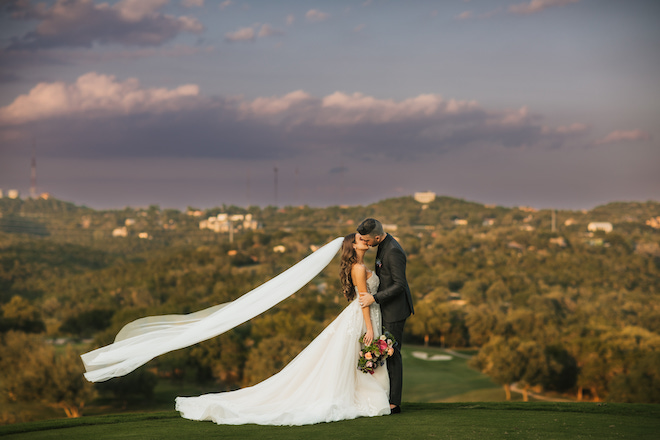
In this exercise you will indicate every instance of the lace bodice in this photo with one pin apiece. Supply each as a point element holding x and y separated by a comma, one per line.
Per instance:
<point>374,309</point>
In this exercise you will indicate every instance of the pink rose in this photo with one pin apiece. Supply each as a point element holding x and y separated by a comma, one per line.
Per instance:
<point>369,364</point>
<point>382,345</point>
<point>361,354</point>
<point>390,351</point>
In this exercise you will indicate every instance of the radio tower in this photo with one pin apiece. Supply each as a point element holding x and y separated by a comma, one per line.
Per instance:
<point>297,190</point>
<point>275,170</point>
<point>33,174</point>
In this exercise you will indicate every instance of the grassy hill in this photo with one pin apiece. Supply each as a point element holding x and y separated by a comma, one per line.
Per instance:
<point>419,420</point>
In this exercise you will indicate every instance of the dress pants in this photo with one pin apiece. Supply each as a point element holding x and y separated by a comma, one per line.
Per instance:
<point>394,362</point>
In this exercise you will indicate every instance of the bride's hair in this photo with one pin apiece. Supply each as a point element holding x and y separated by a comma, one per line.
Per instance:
<point>348,258</point>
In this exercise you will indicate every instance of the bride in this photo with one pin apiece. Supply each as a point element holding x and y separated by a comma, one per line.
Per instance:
<point>322,384</point>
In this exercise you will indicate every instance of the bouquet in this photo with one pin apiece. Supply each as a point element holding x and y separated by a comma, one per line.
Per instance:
<point>374,354</point>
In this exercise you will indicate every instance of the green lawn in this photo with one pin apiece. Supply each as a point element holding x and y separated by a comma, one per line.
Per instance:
<point>477,412</point>
<point>445,381</point>
<point>496,420</point>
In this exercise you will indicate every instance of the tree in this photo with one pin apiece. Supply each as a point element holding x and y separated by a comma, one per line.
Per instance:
<point>139,383</point>
<point>269,357</point>
<point>481,321</point>
<point>534,366</point>
<point>31,370</point>
<point>19,314</point>
<point>641,384</point>
<point>501,360</point>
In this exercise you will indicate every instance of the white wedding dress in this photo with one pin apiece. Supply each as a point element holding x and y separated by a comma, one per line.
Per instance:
<point>322,384</point>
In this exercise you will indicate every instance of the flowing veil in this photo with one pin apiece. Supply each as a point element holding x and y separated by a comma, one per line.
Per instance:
<point>144,339</point>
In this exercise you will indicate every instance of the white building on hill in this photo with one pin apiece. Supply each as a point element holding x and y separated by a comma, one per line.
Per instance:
<point>221,222</point>
<point>599,226</point>
<point>424,197</point>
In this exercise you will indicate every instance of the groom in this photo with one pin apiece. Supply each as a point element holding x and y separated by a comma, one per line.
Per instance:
<point>393,296</point>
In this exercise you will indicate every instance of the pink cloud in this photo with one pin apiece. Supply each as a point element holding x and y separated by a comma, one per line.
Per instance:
<point>315,15</point>
<point>243,34</point>
<point>624,136</point>
<point>537,6</point>
<point>269,31</point>
<point>192,3</point>
<point>464,15</point>
<point>93,95</point>
<point>81,23</point>
<point>101,110</point>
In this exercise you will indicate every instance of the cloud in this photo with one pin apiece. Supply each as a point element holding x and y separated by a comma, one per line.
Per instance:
<point>464,15</point>
<point>290,19</point>
<point>537,6</point>
<point>82,23</point>
<point>93,96</point>
<point>624,136</point>
<point>250,33</point>
<point>243,34</point>
<point>359,28</point>
<point>314,15</point>
<point>268,31</point>
<point>226,4</point>
<point>101,116</point>
<point>192,3</point>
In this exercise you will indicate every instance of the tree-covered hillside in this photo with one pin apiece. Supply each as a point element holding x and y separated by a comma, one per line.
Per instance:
<point>551,305</point>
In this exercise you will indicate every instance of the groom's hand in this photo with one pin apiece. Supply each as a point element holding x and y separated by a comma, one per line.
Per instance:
<point>366,299</point>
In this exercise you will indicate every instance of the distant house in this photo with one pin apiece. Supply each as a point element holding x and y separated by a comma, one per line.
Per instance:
<point>599,226</point>
<point>390,227</point>
<point>528,228</point>
<point>488,222</point>
<point>424,197</point>
<point>222,222</point>
<point>279,249</point>
<point>515,245</point>
<point>654,222</point>
<point>120,232</point>
<point>144,235</point>
<point>13,194</point>
<point>129,222</point>
<point>527,209</point>
<point>559,241</point>
<point>460,221</point>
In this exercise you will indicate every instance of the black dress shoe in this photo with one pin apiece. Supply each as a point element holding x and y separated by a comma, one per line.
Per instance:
<point>395,410</point>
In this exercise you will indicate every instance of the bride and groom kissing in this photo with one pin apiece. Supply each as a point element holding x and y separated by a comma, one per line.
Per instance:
<point>323,382</point>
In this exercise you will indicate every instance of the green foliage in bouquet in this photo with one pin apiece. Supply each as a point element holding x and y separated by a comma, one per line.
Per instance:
<point>374,355</point>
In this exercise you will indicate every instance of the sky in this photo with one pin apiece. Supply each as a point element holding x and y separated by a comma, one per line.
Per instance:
<point>200,103</point>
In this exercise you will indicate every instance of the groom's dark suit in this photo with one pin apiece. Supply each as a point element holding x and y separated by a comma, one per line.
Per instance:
<point>395,304</point>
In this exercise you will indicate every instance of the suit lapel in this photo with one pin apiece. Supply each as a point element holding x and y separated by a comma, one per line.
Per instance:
<point>379,254</point>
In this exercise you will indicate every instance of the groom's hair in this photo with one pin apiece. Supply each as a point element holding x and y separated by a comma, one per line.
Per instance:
<point>370,226</point>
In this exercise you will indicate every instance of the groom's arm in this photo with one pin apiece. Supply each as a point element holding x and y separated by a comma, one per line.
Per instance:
<point>395,260</point>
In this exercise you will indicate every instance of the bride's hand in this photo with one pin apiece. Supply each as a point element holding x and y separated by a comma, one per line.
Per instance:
<point>368,337</point>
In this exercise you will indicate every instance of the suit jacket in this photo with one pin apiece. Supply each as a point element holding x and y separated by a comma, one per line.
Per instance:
<point>393,292</point>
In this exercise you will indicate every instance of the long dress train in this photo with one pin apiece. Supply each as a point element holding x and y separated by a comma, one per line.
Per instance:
<point>322,384</point>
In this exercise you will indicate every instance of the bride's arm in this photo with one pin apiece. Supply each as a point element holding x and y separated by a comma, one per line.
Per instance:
<point>359,276</point>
